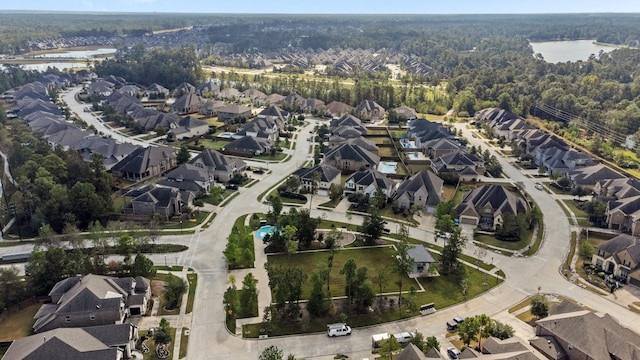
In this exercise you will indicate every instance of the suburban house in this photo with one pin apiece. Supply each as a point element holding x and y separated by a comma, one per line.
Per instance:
<point>486,205</point>
<point>58,133</point>
<point>144,163</point>
<point>313,106</point>
<point>210,108</point>
<point>589,176</point>
<point>561,161</point>
<point>261,127</point>
<point>405,113</point>
<point>468,166</point>
<point>274,98</point>
<point>208,90</point>
<point>337,108</point>
<point>110,149</point>
<point>275,114</point>
<point>584,335</point>
<point>293,101</point>
<point>130,90</point>
<point>183,89</point>
<point>422,259</point>
<point>101,87</point>
<point>249,146</point>
<point>189,177</point>
<point>222,167</point>
<point>93,300</point>
<point>358,141</point>
<point>423,189</point>
<point>255,96</point>
<point>421,131</point>
<point>412,352</point>
<point>369,110</point>
<point>108,342</point>
<point>157,200</point>
<point>347,127</point>
<point>620,257</point>
<point>229,112</point>
<point>327,177</point>
<point>624,215</point>
<point>617,188</point>
<point>187,104</point>
<point>439,147</point>
<point>188,127</point>
<point>350,158</point>
<point>368,182</point>
<point>230,94</point>
<point>156,91</point>
<point>152,119</point>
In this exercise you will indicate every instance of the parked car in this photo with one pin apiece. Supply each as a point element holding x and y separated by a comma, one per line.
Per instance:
<point>538,186</point>
<point>258,171</point>
<point>232,187</point>
<point>386,230</point>
<point>453,353</point>
<point>453,324</point>
<point>338,329</point>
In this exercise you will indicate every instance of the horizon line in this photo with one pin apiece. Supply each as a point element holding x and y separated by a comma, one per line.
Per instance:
<point>306,13</point>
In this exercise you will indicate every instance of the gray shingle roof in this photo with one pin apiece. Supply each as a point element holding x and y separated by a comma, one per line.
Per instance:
<point>424,179</point>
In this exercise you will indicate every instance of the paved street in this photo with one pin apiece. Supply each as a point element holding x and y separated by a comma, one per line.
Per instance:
<point>209,338</point>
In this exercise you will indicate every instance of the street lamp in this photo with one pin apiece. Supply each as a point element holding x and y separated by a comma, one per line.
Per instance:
<point>180,227</point>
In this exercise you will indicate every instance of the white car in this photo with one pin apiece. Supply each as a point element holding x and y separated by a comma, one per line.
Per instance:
<point>538,186</point>
<point>339,329</point>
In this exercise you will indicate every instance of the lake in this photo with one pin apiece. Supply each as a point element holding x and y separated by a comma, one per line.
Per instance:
<point>563,51</point>
<point>78,54</point>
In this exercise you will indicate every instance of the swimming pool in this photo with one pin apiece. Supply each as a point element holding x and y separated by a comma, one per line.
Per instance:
<point>408,144</point>
<point>413,155</point>
<point>264,230</point>
<point>227,135</point>
<point>388,167</point>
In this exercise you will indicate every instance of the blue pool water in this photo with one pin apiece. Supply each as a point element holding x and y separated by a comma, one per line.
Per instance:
<point>388,167</point>
<point>227,135</point>
<point>412,155</point>
<point>267,229</point>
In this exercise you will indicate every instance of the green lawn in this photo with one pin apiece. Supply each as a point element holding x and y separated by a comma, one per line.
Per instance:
<point>508,245</point>
<point>580,214</point>
<point>213,144</point>
<point>186,224</point>
<point>276,157</point>
<point>331,204</point>
<point>151,355</point>
<point>184,343</point>
<point>566,212</point>
<point>191,295</point>
<point>375,259</point>
<point>444,291</point>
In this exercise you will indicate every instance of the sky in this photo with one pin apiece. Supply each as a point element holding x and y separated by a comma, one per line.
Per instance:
<point>332,6</point>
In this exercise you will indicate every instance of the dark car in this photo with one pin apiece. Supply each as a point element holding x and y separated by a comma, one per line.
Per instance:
<point>258,171</point>
<point>232,187</point>
<point>386,231</point>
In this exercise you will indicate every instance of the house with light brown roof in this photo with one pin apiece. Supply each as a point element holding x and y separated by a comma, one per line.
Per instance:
<point>338,108</point>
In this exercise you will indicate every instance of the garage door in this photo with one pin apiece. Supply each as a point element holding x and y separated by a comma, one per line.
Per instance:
<point>468,220</point>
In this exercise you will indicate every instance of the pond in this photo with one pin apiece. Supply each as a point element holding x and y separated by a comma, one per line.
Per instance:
<point>572,50</point>
<point>77,54</point>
